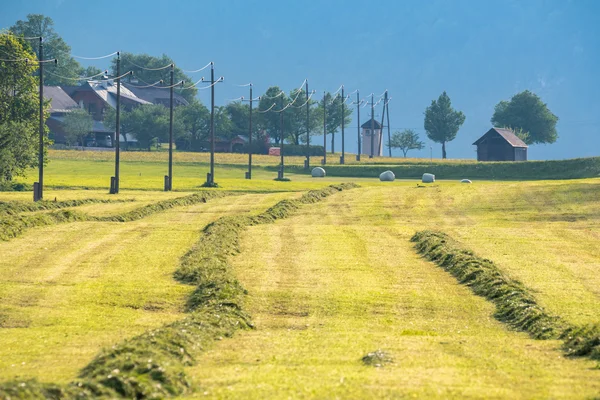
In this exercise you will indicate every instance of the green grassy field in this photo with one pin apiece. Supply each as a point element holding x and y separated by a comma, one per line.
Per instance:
<point>336,280</point>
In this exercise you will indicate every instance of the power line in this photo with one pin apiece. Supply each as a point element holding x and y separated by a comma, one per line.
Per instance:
<point>267,110</point>
<point>145,86</point>
<point>149,69</point>
<point>197,70</point>
<point>83,78</point>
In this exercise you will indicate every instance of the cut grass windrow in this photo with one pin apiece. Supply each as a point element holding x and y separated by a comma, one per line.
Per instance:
<point>515,305</point>
<point>151,365</point>
<point>14,225</point>
<point>17,207</point>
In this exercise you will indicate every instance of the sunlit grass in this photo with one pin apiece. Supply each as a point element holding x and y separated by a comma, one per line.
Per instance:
<point>67,291</point>
<point>342,280</point>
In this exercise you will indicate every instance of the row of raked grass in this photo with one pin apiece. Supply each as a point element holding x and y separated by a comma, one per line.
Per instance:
<point>515,304</point>
<point>151,365</point>
<point>14,225</point>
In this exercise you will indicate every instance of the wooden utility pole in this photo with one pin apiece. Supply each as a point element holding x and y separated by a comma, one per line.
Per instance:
<point>114,184</point>
<point>343,116</point>
<point>39,193</point>
<point>358,126</point>
<point>281,165</point>
<point>307,162</point>
<point>324,129</point>
<point>250,139</point>
<point>380,150</point>
<point>372,125</point>
<point>211,178</point>
<point>387,102</point>
<point>169,180</point>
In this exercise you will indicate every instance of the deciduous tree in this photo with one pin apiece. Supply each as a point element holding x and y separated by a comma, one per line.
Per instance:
<point>528,115</point>
<point>54,47</point>
<point>19,112</point>
<point>78,125</point>
<point>406,140</point>
<point>442,122</point>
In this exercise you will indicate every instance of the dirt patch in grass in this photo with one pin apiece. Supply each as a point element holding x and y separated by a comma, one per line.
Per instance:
<point>377,359</point>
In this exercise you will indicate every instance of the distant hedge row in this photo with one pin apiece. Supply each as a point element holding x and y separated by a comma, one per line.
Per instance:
<point>528,170</point>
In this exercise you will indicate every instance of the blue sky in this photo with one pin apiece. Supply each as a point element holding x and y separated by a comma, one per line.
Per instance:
<point>480,52</point>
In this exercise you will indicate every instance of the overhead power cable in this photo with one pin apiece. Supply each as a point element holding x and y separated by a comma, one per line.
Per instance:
<point>83,78</point>
<point>274,97</point>
<point>267,110</point>
<point>149,69</point>
<point>94,58</point>
<point>171,86</point>
<point>197,70</point>
<point>307,100</point>
<point>337,91</point>
<point>148,85</point>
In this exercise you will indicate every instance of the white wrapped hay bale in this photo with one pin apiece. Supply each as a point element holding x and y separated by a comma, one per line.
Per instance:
<point>466,181</point>
<point>318,172</point>
<point>428,178</point>
<point>387,176</point>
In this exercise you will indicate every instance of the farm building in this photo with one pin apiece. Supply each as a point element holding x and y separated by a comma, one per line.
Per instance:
<point>366,137</point>
<point>500,144</point>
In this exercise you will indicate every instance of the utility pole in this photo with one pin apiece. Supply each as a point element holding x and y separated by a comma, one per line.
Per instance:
<point>114,182</point>
<point>249,173</point>
<point>307,161</point>
<point>169,179</point>
<point>281,165</point>
<point>372,125</point>
<point>380,150</point>
<point>343,116</point>
<point>210,177</point>
<point>387,102</point>
<point>324,128</point>
<point>358,126</point>
<point>39,195</point>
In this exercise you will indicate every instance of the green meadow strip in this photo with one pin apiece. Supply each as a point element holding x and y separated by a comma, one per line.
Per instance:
<point>18,207</point>
<point>14,225</point>
<point>515,305</point>
<point>151,365</point>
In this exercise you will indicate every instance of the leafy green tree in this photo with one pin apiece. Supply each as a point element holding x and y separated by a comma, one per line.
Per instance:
<point>78,125</point>
<point>54,47</point>
<point>147,122</point>
<point>270,121</point>
<point>296,118</point>
<point>194,120</point>
<point>442,122</point>
<point>528,114</point>
<point>406,140</point>
<point>91,71</point>
<point>19,112</point>
<point>334,114</point>
<point>135,62</point>
<point>224,127</point>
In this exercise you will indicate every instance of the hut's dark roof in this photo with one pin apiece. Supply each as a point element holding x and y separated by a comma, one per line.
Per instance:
<point>367,125</point>
<point>507,134</point>
<point>59,99</point>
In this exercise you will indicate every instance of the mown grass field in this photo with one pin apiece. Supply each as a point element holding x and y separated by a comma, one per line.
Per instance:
<point>333,282</point>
